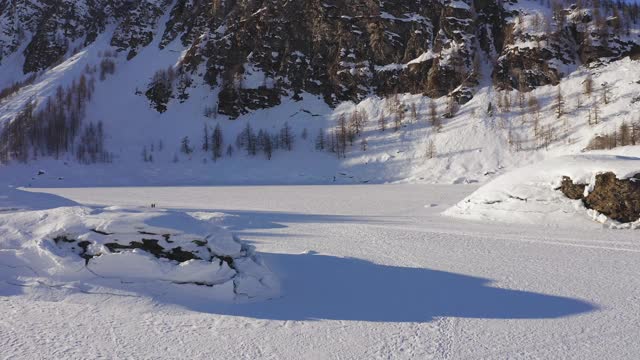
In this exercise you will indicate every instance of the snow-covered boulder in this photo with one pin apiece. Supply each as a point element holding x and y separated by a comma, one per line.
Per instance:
<point>532,194</point>
<point>79,247</point>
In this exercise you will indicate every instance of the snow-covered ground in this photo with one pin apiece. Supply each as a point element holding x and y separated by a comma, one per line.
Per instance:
<point>370,271</point>
<point>51,242</point>
<point>531,194</point>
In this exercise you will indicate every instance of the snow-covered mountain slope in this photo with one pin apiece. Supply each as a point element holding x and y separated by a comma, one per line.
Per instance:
<point>441,139</point>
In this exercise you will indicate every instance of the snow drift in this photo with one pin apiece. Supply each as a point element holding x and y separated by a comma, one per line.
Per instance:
<point>530,194</point>
<point>60,244</point>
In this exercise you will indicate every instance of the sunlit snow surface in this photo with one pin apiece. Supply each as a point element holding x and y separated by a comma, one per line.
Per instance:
<point>366,272</point>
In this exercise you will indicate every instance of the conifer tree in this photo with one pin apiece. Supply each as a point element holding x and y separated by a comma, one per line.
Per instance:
<point>185,146</point>
<point>217,143</point>
<point>320,140</point>
<point>286,137</point>
<point>588,85</point>
<point>382,122</point>
<point>559,104</point>
<point>433,116</point>
<point>205,139</point>
<point>605,93</point>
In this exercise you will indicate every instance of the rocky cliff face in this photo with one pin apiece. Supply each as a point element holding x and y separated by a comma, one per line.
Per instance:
<point>342,50</point>
<point>255,52</point>
<point>540,51</point>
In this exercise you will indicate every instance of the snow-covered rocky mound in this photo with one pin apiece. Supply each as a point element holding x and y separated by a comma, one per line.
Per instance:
<point>133,250</point>
<point>531,194</point>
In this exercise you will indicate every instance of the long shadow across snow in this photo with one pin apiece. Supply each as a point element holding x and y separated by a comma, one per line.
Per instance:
<point>337,288</point>
<point>328,287</point>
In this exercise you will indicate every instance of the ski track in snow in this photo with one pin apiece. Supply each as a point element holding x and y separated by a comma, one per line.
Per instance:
<point>367,272</point>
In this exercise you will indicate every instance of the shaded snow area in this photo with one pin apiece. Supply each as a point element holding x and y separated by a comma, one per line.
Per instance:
<point>50,241</point>
<point>531,194</point>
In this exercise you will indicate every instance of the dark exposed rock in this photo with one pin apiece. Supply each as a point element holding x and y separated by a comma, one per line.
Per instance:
<point>161,249</point>
<point>340,50</point>
<point>151,246</point>
<point>617,199</point>
<point>59,23</point>
<point>571,190</point>
<point>79,247</point>
<point>138,26</point>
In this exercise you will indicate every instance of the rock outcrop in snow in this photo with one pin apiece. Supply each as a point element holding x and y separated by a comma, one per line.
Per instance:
<point>618,199</point>
<point>536,193</point>
<point>84,247</point>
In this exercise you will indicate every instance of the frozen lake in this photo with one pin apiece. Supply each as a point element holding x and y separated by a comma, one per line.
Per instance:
<point>367,272</point>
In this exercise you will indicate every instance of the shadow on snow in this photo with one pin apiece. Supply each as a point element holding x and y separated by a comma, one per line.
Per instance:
<point>328,287</point>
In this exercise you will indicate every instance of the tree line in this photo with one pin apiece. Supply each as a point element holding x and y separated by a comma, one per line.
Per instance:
<point>57,126</point>
<point>249,140</point>
<point>626,134</point>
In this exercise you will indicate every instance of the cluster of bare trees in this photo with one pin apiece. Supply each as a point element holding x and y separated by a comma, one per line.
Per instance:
<point>264,141</point>
<point>529,108</point>
<point>593,117</point>
<point>248,140</point>
<point>212,141</point>
<point>504,101</point>
<point>90,148</point>
<point>345,134</point>
<point>619,15</point>
<point>147,153</point>
<point>398,110</point>
<point>55,128</point>
<point>625,134</point>
<point>349,130</point>
<point>545,134</point>
<point>58,125</point>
